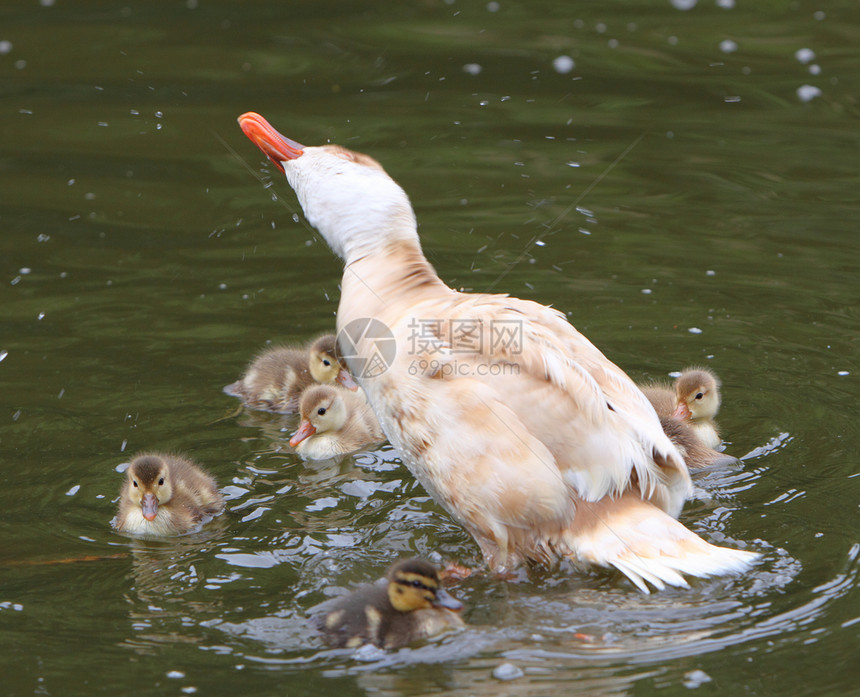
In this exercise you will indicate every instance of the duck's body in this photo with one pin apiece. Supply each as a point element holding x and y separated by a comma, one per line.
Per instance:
<point>334,422</point>
<point>276,378</point>
<point>166,495</point>
<point>405,607</point>
<point>510,418</point>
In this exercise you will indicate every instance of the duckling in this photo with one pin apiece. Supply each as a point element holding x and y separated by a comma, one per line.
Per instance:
<point>166,495</point>
<point>698,400</point>
<point>334,422</point>
<point>407,606</point>
<point>276,378</point>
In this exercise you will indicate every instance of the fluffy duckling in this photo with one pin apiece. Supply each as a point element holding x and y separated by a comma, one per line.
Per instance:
<point>409,605</point>
<point>698,399</point>
<point>334,422</point>
<point>694,399</point>
<point>166,495</point>
<point>670,402</point>
<point>276,378</point>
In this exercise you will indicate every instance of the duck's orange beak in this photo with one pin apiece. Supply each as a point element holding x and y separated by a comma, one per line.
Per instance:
<point>682,412</point>
<point>306,430</point>
<point>345,379</point>
<point>276,147</point>
<point>149,506</point>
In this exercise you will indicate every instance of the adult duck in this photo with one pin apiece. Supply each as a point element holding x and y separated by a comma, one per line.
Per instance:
<point>510,418</point>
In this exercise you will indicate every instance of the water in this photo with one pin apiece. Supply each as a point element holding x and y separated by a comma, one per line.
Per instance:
<point>665,175</point>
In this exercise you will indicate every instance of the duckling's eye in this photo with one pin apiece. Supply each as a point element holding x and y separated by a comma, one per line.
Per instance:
<point>321,411</point>
<point>134,482</point>
<point>161,481</point>
<point>416,584</point>
<point>700,395</point>
<point>326,362</point>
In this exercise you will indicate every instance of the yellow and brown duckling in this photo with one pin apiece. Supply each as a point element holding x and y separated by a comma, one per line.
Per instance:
<point>334,422</point>
<point>698,400</point>
<point>276,378</point>
<point>686,410</point>
<point>166,495</point>
<point>407,606</point>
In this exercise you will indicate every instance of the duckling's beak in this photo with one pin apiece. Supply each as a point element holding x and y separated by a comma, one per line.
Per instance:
<point>306,430</point>
<point>149,506</point>
<point>345,379</point>
<point>445,599</point>
<point>276,147</point>
<point>682,412</point>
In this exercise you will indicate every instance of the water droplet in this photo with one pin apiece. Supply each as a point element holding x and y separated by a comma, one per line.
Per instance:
<point>563,64</point>
<point>804,55</point>
<point>806,93</point>
<point>728,46</point>
<point>684,4</point>
<point>472,69</point>
<point>74,490</point>
<point>175,674</point>
<point>507,671</point>
<point>3,355</point>
<point>5,47</point>
<point>694,330</point>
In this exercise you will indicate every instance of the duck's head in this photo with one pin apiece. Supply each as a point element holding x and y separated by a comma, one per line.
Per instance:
<point>698,394</point>
<point>345,195</point>
<point>413,584</point>
<point>149,485</point>
<point>325,364</point>
<point>322,411</point>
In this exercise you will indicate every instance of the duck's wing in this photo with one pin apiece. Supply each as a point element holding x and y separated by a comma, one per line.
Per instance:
<point>601,430</point>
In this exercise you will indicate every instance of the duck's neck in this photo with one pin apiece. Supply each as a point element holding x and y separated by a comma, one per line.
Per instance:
<point>392,275</point>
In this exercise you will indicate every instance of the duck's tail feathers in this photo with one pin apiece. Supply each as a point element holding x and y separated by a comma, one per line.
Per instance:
<point>648,546</point>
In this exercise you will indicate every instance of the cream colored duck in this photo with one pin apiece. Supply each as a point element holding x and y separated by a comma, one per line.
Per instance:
<point>509,417</point>
<point>275,379</point>
<point>407,606</point>
<point>166,495</point>
<point>334,422</point>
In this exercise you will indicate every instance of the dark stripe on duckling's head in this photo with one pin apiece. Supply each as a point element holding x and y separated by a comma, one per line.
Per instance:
<point>413,584</point>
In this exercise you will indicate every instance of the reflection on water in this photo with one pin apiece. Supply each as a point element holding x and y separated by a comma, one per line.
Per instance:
<point>681,181</point>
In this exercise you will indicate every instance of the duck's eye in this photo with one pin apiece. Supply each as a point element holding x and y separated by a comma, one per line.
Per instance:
<point>321,411</point>
<point>700,395</point>
<point>134,482</point>
<point>326,362</point>
<point>416,584</point>
<point>161,481</point>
